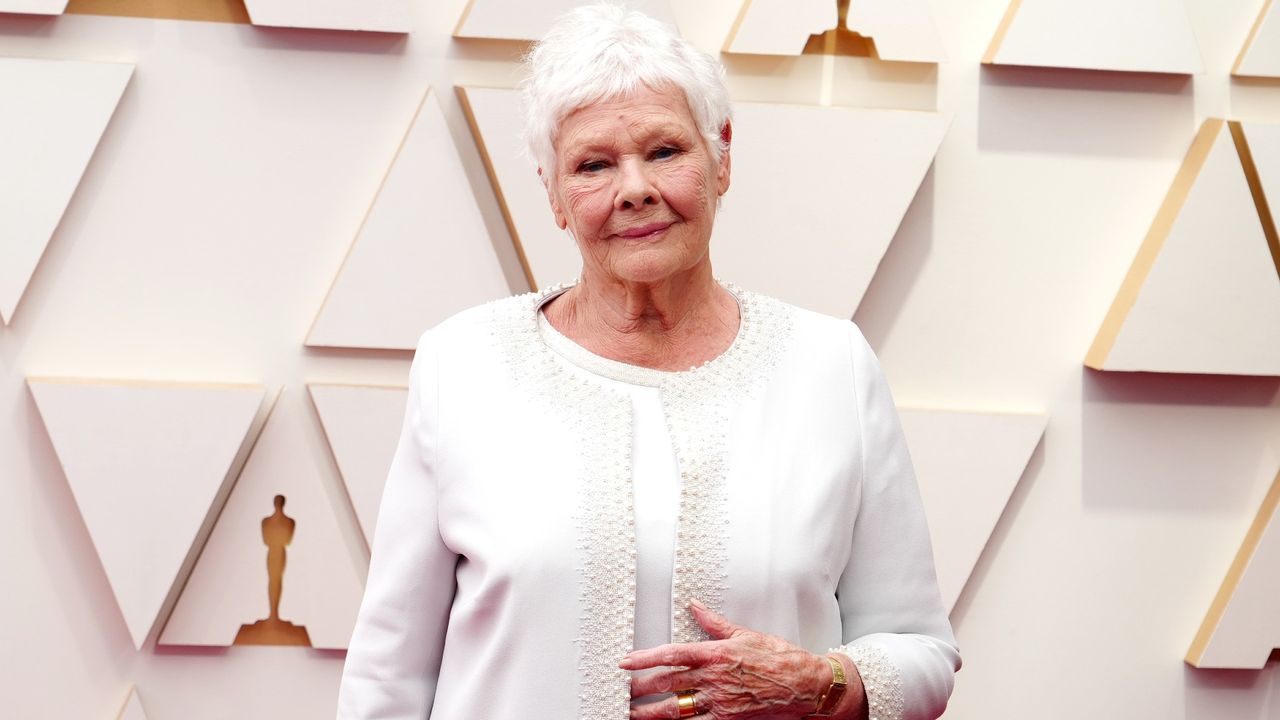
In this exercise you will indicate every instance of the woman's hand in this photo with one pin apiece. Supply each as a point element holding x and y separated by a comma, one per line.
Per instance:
<point>738,674</point>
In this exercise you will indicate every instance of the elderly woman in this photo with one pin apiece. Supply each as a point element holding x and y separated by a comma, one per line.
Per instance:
<point>647,493</point>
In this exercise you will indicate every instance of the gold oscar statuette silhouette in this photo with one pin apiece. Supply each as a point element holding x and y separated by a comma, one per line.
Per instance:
<point>277,533</point>
<point>840,40</point>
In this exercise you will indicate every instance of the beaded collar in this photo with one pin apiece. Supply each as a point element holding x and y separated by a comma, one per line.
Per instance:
<point>616,369</point>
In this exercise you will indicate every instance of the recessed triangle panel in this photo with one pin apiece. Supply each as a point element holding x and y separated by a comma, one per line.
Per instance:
<point>55,113</point>
<point>524,20</point>
<point>1130,36</point>
<point>132,709</point>
<point>362,424</point>
<point>149,466</point>
<point>1260,56</point>
<point>901,30</point>
<point>390,16</point>
<point>967,465</point>
<point>1203,295</point>
<point>231,586</point>
<point>1242,627</point>
<point>422,253</point>
<point>814,240</point>
<point>33,7</point>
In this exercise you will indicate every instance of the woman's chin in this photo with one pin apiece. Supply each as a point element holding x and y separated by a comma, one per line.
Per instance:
<point>649,266</point>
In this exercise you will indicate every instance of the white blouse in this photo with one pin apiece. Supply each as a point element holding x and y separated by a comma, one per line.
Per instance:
<point>515,561</point>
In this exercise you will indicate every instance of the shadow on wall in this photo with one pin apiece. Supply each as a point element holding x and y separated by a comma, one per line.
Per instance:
<point>1085,112</point>
<point>1181,443</point>
<point>900,267</point>
<point>1255,99</point>
<point>35,26</point>
<point>856,81</point>
<point>1212,694</point>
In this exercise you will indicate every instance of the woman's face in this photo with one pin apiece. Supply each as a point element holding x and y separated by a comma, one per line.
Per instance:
<point>637,185</point>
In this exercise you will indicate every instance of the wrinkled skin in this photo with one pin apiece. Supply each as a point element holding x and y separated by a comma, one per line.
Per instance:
<point>636,184</point>
<point>633,162</point>
<point>738,675</point>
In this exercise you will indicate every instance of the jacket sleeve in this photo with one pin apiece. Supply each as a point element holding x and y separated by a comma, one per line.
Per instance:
<point>894,626</point>
<point>393,660</point>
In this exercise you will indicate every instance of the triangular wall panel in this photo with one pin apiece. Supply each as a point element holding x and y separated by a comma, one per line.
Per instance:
<point>149,466</point>
<point>391,16</point>
<point>55,113</point>
<point>815,240</point>
<point>524,20</point>
<point>422,253</point>
<point>902,30</point>
<point>1127,36</point>
<point>228,586</point>
<point>1242,627</point>
<point>33,7</point>
<point>1203,295</point>
<point>362,425</point>
<point>1260,56</point>
<point>968,465</point>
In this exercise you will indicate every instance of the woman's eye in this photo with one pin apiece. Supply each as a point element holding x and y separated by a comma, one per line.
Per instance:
<point>591,166</point>
<point>666,152</point>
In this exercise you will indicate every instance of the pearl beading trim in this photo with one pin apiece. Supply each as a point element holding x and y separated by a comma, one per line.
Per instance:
<point>700,405</point>
<point>881,680</point>
<point>600,420</point>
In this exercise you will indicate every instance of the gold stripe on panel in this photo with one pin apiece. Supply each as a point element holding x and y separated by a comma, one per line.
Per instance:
<point>497,186</point>
<point>737,24</point>
<point>1251,539</point>
<point>1259,194</point>
<point>1253,33</point>
<point>462,20</point>
<point>1160,229</point>
<point>998,39</point>
<point>229,11</point>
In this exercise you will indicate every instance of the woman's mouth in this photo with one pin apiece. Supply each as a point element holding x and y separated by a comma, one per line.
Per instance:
<point>643,232</point>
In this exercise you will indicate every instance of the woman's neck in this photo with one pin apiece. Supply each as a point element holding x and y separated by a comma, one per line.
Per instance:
<point>674,324</point>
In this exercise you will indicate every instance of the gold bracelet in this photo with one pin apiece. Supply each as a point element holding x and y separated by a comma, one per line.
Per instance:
<point>839,683</point>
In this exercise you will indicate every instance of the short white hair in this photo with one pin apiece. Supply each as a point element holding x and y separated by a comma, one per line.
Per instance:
<point>606,51</point>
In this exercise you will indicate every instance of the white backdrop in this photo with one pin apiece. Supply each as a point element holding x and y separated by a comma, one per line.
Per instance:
<point>227,189</point>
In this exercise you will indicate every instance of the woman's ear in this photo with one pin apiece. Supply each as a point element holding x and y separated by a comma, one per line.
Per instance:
<point>561,219</point>
<point>722,172</point>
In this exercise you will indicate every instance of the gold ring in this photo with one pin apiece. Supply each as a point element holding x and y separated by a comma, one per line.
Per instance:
<point>687,701</point>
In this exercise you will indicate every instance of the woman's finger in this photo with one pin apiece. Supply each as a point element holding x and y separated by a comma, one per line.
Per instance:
<point>669,708</point>
<point>716,625</point>
<point>690,655</point>
<point>664,682</point>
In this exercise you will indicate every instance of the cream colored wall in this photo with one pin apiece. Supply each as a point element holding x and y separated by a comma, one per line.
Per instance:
<point>227,189</point>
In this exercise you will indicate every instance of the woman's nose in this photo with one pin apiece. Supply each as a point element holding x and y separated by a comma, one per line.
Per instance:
<point>635,186</point>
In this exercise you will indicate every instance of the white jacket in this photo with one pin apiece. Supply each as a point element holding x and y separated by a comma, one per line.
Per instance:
<point>502,579</point>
